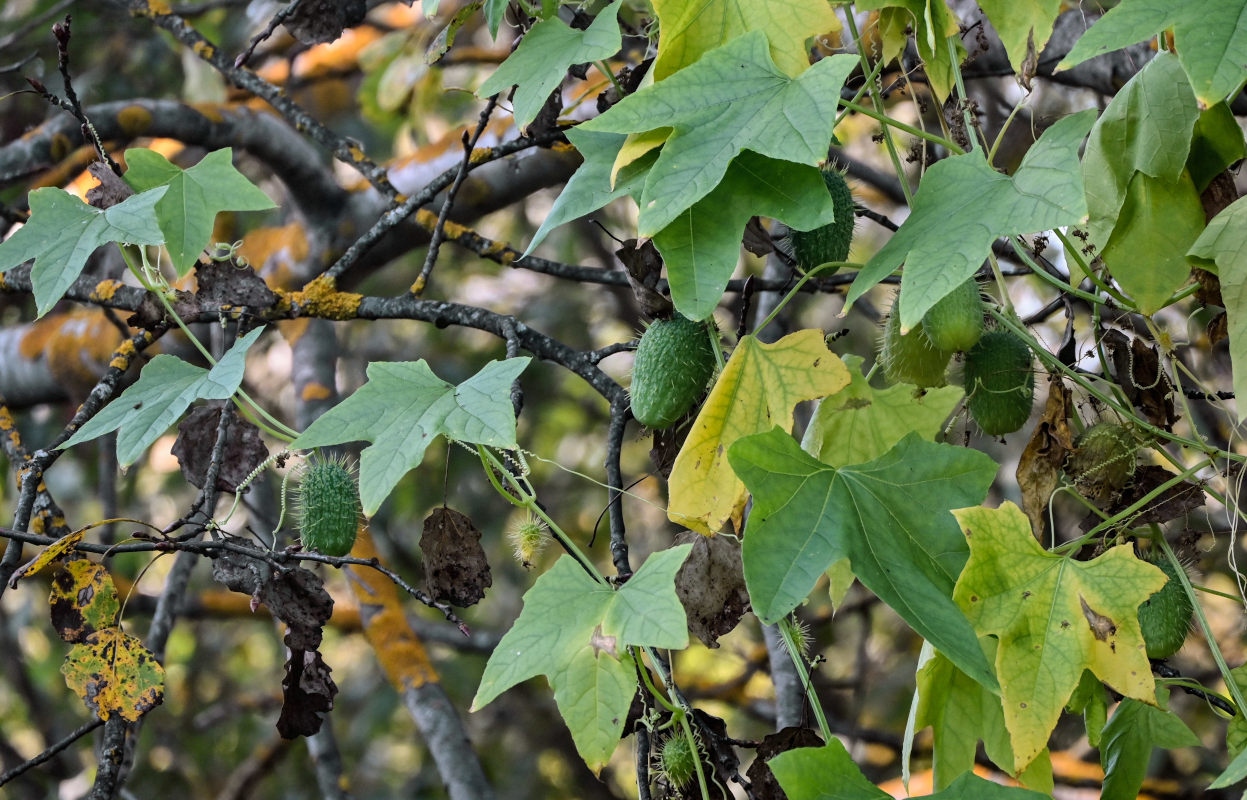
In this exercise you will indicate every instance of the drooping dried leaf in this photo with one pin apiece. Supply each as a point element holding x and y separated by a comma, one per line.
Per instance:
<point>1039,468</point>
<point>1174,502</point>
<point>197,434</point>
<point>111,189</point>
<point>115,674</point>
<point>644,267</point>
<point>455,566</point>
<point>1138,372</point>
<point>225,283</point>
<point>757,238</point>
<point>307,694</point>
<point>719,751</point>
<point>83,600</point>
<point>298,598</point>
<point>765,787</point>
<point>317,21</point>
<point>53,552</point>
<point>711,587</point>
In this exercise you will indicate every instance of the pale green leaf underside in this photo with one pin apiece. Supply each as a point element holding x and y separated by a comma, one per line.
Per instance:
<point>540,63</point>
<point>165,389</point>
<point>1017,21</point>
<point>403,407</point>
<point>963,204</point>
<point>63,231</point>
<point>1222,248</point>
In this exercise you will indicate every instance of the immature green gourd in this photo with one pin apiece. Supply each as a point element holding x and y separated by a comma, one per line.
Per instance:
<point>674,362</point>
<point>327,506</point>
<point>830,242</point>
<point>912,357</point>
<point>1103,459</point>
<point>677,760</point>
<point>956,321</point>
<point>999,384</point>
<point>1165,617</point>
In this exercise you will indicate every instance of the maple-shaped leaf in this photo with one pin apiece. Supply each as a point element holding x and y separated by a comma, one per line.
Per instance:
<point>757,390</point>
<point>701,248</point>
<point>576,632</point>
<point>931,23</point>
<point>690,30</point>
<point>593,185</point>
<point>963,204</point>
<point>114,673</point>
<point>403,407</point>
<point>540,63</point>
<point>165,388</point>
<point>1054,617</point>
<point>862,423</point>
<point>1210,38</point>
<point>1127,742</point>
<point>193,198</point>
<point>1222,250</point>
<point>889,516</point>
<point>732,99</point>
<point>1023,27</point>
<point>62,231</point>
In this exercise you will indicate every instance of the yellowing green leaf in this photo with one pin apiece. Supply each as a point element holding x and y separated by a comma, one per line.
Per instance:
<point>862,423</point>
<point>83,600</point>
<point>53,552</point>
<point>1022,24</point>
<point>690,30</point>
<point>757,390</point>
<point>932,23</point>
<point>115,674</point>
<point>1054,618</point>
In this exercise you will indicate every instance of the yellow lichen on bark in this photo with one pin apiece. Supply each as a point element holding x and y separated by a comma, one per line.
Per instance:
<point>105,289</point>
<point>322,299</point>
<point>134,120</point>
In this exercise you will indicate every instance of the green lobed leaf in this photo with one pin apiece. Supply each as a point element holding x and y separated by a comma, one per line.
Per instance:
<point>1126,747</point>
<point>861,423</point>
<point>1222,249</point>
<point>62,231</point>
<point>1232,774</point>
<point>701,248</point>
<point>193,198</point>
<point>971,787</point>
<point>1054,617</point>
<point>403,407</point>
<point>1146,128</point>
<point>732,99</point>
<point>1023,25</point>
<point>495,10</point>
<point>576,632</point>
<point>1158,223</point>
<point>590,187</point>
<point>1216,143</point>
<point>823,773</point>
<point>888,516</point>
<point>1090,700</point>
<point>1210,37</point>
<point>165,388</point>
<point>540,63</point>
<point>963,204</point>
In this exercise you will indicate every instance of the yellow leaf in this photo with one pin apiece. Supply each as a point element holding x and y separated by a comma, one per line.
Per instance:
<point>691,29</point>
<point>54,552</point>
<point>757,390</point>
<point>83,600</point>
<point>635,146</point>
<point>115,674</point>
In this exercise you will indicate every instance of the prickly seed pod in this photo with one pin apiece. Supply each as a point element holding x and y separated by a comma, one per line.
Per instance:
<point>830,242</point>
<point>674,362</point>
<point>999,384</point>
<point>528,538</point>
<point>1165,617</point>
<point>327,505</point>
<point>1103,459</point>
<point>956,321</point>
<point>910,358</point>
<point>677,760</point>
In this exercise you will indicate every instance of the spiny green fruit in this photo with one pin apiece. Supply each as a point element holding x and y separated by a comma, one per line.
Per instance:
<point>1103,458</point>
<point>327,506</point>
<point>677,760</point>
<point>1000,387</point>
<point>1165,617</point>
<point>830,242</point>
<point>956,321</point>
<point>911,358</point>
<point>674,362</point>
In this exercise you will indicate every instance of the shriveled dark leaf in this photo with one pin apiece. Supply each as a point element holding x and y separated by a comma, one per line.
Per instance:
<point>456,570</point>
<point>1218,328</point>
<point>111,189</point>
<point>644,267</point>
<point>241,573</point>
<point>719,751</point>
<point>1039,468</point>
<point>298,598</point>
<point>317,21</point>
<point>307,694</point>
<point>711,586</point>
<point>1174,502</point>
<point>197,434</point>
<point>765,787</point>
<point>224,283</point>
<point>1137,369</point>
<point>757,240</point>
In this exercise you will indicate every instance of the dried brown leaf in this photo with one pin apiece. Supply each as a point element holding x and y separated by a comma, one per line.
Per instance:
<point>711,586</point>
<point>1039,468</point>
<point>455,567</point>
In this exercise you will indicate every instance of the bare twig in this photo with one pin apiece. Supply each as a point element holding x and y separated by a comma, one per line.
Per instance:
<point>278,18</point>
<point>51,752</point>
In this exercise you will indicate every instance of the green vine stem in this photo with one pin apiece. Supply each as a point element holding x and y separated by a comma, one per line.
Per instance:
<point>787,631</point>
